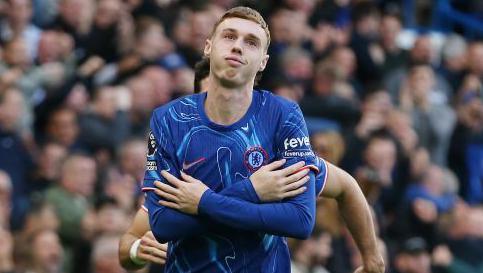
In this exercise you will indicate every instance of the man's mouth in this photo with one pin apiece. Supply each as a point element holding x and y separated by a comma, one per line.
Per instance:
<point>234,61</point>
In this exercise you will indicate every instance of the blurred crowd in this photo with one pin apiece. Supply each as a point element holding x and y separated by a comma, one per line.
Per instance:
<point>402,111</point>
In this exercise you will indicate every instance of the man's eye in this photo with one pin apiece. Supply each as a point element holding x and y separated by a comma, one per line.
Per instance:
<point>230,36</point>
<point>252,43</point>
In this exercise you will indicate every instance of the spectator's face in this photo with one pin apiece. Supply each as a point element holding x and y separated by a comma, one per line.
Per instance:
<point>106,102</point>
<point>49,49</point>
<point>16,54</point>
<point>202,23</point>
<point>111,220</point>
<point>305,6</point>
<point>381,154</point>
<point>417,263</point>
<point>133,159</point>
<point>153,43</point>
<point>107,13</point>
<point>329,146</point>
<point>288,26</point>
<point>237,51</point>
<point>70,11</point>
<point>53,46</point>
<point>421,82</point>
<point>11,109</point>
<point>79,175</point>
<point>143,95</point>
<point>389,29</point>
<point>293,92</point>
<point>421,51</point>
<point>323,248</point>
<point>63,127</point>
<point>20,12</point>
<point>434,181</point>
<point>161,81</point>
<point>475,58</point>
<point>345,59</point>
<point>379,102</point>
<point>51,160</point>
<point>47,252</point>
<point>299,68</point>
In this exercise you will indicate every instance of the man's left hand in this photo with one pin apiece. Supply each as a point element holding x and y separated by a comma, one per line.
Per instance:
<point>375,265</point>
<point>186,194</point>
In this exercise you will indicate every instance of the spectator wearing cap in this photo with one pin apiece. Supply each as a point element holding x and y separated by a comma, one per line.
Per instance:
<point>413,257</point>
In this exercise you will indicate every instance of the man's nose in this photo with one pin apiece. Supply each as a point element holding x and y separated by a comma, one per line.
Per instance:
<point>237,46</point>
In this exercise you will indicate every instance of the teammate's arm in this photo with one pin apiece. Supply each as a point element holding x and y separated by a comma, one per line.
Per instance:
<point>354,209</point>
<point>148,249</point>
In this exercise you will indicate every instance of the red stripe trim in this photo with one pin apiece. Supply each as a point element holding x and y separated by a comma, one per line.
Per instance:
<point>147,189</point>
<point>311,167</point>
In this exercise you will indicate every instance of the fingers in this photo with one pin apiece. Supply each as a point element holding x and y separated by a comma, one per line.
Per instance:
<point>152,254</point>
<point>292,168</point>
<point>147,240</point>
<point>166,195</point>
<point>165,188</point>
<point>169,204</point>
<point>171,178</point>
<point>297,184</point>
<point>294,193</point>
<point>275,165</point>
<point>297,175</point>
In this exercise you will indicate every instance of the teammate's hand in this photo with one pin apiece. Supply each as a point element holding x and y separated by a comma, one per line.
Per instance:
<point>186,194</point>
<point>272,184</point>
<point>151,250</point>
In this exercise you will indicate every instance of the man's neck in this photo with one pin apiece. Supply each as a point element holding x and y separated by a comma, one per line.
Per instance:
<point>226,106</point>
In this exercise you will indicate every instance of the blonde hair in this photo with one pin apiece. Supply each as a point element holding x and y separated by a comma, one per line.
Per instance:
<point>247,14</point>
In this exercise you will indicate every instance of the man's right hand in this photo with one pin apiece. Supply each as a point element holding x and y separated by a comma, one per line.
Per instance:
<point>272,184</point>
<point>151,250</point>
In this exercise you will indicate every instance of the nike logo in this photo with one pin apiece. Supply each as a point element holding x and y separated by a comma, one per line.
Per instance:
<point>245,128</point>
<point>187,166</point>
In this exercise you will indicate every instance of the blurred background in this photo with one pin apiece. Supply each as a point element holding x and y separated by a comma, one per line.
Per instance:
<point>391,91</point>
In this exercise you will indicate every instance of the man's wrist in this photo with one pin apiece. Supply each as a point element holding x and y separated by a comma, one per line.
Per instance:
<point>133,253</point>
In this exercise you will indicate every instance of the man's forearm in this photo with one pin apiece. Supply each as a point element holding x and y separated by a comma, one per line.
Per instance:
<point>293,218</point>
<point>357,215</point>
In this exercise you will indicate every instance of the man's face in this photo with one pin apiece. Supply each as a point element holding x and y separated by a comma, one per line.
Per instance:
<point>237,51</point>
<point>48,251</point>
<point>20,11</point>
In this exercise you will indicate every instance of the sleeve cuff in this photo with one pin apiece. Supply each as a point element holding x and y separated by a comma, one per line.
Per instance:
<point>250,190</point>
<point>205,201</point>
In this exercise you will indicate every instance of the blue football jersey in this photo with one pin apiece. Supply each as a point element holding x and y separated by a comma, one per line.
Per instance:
<point>234,231</point>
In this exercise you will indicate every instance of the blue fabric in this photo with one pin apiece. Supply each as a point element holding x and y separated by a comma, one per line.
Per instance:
<point>443,203</point>
<point>474,162</point>
<point>233,233</point>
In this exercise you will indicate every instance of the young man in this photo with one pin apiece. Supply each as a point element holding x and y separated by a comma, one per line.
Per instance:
<point>226,138</point>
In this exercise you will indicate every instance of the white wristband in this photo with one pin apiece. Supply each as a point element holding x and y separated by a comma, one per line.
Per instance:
<point>133,253</point>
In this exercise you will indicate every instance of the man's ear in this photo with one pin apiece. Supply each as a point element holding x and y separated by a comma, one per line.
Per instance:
<point>263,64</point>
<point>207,50</point>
